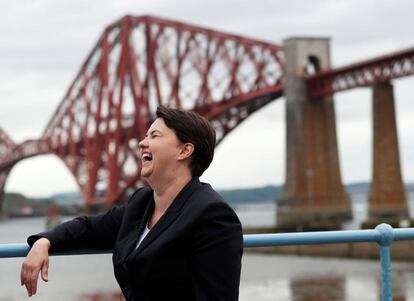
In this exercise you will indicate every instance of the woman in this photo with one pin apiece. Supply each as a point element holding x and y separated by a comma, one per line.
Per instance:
<point>174,240</point>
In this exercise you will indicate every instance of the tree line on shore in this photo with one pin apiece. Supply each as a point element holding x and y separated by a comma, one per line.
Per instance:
<point>70,203</point>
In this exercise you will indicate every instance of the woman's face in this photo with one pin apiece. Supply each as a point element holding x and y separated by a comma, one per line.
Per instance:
<point>159,151</point>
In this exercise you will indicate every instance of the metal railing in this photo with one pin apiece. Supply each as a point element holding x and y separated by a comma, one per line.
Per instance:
<point>383,234</point>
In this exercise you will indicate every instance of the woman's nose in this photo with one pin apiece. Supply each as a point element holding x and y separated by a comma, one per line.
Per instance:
<point>143,143</point>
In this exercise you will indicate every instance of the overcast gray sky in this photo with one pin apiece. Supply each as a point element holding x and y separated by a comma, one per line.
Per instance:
<point>44,42</point>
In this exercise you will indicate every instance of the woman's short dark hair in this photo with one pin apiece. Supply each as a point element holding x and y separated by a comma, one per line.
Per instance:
<point>190,127</point>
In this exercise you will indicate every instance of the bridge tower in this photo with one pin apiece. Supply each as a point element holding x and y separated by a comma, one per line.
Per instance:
<point>3,178</point>
<point>387,197</point>
<point>313,193</point>
<point>7,146</point>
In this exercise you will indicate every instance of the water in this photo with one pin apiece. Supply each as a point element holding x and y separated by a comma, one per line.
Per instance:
<point>264,277</point>
<point>264,214</point>
<point>293,278</point>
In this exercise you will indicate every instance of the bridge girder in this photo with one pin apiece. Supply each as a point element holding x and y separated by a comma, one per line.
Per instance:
<point>137,64</point>
<point>141,62</point>
<point>363,74</point>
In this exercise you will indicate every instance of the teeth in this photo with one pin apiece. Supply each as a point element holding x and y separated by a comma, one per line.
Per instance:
<point>146,156</point>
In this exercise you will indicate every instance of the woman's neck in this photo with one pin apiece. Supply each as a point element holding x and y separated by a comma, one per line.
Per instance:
<point>166,191</point>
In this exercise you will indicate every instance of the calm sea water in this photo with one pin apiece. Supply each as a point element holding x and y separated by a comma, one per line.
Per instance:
<point>264,214</point>
<point>264,277</point>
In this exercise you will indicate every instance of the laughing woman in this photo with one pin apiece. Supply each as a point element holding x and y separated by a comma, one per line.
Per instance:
<point>174,240</point>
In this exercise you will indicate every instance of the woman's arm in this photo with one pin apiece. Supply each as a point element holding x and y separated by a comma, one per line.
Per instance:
<point>98,232</point>
<point>83,232</point>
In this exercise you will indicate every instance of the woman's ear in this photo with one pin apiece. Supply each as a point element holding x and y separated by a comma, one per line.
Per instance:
<point>186,151</point>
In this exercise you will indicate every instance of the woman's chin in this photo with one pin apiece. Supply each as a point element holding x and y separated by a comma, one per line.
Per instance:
<point>146,173</point>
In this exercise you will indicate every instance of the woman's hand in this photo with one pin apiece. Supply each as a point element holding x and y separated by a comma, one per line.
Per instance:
<point>36,261</point>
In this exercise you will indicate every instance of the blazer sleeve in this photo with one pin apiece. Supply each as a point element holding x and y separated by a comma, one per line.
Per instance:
<point>98,232</point>
<point>216,253</point>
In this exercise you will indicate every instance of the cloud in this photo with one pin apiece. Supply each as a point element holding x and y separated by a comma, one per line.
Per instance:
<point>44,43</point>
<point>254,151</point>
<point>40,177</point>
<point>29,102</point>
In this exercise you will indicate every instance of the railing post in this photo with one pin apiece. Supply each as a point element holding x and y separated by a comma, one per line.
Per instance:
<point>387,236</point>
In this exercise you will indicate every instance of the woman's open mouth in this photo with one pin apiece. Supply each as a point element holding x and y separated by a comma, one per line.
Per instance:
<point>146,157</point>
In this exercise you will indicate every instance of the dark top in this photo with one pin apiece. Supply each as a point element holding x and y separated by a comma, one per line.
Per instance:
<point>192,253</point>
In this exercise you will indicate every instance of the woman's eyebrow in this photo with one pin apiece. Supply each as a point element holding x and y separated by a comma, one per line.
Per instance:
<point>155,131</point>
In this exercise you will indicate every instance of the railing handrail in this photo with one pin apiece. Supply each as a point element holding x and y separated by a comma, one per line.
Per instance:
<point>383,234</point>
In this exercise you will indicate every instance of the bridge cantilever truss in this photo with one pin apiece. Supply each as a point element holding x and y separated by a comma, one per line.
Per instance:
<point>137,64</point>
<point>362,74</point>
<point>6,147</point>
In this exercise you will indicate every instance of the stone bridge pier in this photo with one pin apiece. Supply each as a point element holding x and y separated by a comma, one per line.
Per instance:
<point>387,197</point>
<point>313,194</point>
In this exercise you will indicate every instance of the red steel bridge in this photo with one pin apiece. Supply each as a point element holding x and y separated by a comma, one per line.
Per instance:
<point>141,62</point>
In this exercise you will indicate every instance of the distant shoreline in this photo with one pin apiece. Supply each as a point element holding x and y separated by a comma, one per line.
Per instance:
<point>71,203</point>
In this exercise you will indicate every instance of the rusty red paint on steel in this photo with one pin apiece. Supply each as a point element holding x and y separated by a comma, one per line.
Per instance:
<point>362,74</point>
<point>6,143</point>
<point>141,62</point>
<point>138,64</point>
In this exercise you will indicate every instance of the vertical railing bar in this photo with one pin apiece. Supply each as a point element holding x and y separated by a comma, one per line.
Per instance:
<point>386,273</point>
<point>387,236</point>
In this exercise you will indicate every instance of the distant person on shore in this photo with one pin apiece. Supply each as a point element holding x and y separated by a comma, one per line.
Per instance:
<point>53,219</point>
<point>174,240</point>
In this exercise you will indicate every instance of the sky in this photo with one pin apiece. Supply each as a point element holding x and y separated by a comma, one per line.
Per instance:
<point>44,42</point>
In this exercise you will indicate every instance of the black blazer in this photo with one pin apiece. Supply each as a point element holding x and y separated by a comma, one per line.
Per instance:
<point>192,253</point>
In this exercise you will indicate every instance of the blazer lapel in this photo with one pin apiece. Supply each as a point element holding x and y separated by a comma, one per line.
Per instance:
<point>158,228</point>
<point>138,214</point>
<point>148,211</point>
<point>168,217</point>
